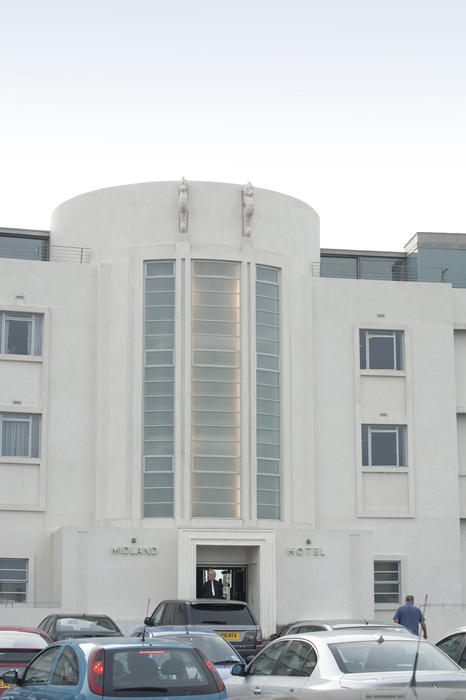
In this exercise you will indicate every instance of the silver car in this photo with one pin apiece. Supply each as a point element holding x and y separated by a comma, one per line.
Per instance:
<point>338,659</point>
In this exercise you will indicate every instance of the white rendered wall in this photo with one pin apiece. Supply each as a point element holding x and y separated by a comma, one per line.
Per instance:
<point>89,386</point>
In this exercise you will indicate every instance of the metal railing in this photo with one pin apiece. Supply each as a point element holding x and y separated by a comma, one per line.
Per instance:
<point>25,249</point>
<point>392,273</point>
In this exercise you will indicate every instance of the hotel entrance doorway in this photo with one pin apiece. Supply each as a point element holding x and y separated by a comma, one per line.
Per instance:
<point>233,578</point>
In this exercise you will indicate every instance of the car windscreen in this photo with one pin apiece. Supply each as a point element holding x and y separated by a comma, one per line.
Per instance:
<point>374,656</point>
<point>9,639</point>
<point>88,625</point>
<point>218,614</point>
<point>149,672</point>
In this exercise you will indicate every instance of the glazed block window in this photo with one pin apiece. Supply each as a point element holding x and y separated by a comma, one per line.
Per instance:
<point>20,333</point>
<point>381,349</point>
<point>159,388</point>
<point>13,580</point>
<point>19,435</point>
<point>387,582</point>
<point>268,381</point>
<point>216,431</point>
<point>383,445</point>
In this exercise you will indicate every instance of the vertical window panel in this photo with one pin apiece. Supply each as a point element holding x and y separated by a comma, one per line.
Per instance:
<point>387,582</point>
<point>268,382</point>
<point>159,389</point>
<point>216,439</point>
<point>13,580</point>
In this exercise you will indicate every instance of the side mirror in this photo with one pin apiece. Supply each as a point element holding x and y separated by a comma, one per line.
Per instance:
<point>238,670</point>
<point>148,622</point>
<point>10,677</point>
<point>273,636</point>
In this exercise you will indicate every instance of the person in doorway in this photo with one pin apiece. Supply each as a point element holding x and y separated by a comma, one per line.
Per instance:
<point>411,617</point>
<point>212,588</point>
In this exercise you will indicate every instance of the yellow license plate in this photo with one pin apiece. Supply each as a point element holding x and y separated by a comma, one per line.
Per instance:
<point>229,635</point>
<point>4,685</point>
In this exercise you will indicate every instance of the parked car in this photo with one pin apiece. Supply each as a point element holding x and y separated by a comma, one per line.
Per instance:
<point>322,625</point>
<point>123,667</point>
<point>421,693</point>
<point>233,620</point>
<point>454,644</point>
<point>66,625</point>
<point>214,646</point>
<point>18,646</point>
<point>342,659</point>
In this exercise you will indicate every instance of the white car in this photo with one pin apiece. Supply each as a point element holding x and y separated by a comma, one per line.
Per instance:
<point>338,659</point>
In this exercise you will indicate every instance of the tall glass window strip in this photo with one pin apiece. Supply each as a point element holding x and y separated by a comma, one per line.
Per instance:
<point>159,388</point>
<point>19,435</point>
<point>268,391</point>
<point>13,580</point>
<point>387,582</point>
<point>20,334</point>
<point>215,389</point>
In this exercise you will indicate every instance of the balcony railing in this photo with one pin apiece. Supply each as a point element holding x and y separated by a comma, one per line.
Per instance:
<point>335,268</point>
<point>30,249</point>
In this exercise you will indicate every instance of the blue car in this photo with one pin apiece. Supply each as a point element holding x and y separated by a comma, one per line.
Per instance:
<point>222,654</point>
<point>118,667</point>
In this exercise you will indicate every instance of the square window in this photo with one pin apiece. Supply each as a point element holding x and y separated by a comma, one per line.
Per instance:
<point>19,435</point>
<point>20,333</point>
<point>380,349</point>
<point>383,445</point>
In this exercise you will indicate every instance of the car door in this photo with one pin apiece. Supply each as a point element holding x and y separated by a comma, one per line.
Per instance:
<point>66,680</point>
<point>36,676</point>
<point>293,669</point>
<point>257,672</point>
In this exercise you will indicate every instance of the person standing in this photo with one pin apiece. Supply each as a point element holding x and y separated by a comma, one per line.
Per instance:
<point>411,617</point>
<point>212,588</point>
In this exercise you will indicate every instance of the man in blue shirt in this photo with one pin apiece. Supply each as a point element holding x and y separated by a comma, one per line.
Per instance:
<point>410,616</point>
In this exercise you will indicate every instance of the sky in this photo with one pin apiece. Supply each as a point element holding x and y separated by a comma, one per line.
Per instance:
<point>357,107</point>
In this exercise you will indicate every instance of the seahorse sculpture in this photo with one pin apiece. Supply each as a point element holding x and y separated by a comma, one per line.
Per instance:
<point>183,205</point>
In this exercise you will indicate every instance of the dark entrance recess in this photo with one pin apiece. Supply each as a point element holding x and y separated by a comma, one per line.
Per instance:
<point>234,579</point>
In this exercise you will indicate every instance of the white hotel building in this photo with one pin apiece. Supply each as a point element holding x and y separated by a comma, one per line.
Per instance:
<point>188,381</point>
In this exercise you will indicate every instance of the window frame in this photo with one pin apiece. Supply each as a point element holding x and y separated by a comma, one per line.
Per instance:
<point>26,581</point>
<point>400,431</point>
<point>399,353</point>
<point>48,651</point>
<point>24,417</point>
<point>387,560</point>
<point>37,318</point>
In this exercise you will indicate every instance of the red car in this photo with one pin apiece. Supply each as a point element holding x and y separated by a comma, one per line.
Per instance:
<point>18,645</point>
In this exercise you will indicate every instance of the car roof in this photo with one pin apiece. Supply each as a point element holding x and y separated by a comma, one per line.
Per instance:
<point>119,642</point>
<point>376,693</point>
<point>210,601</point>
<point>80,616</point>
<point>340,621</point>
<point>344,635</point>
<point>457,630</point>
<point>27,630</point>
<point>31,630</point>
